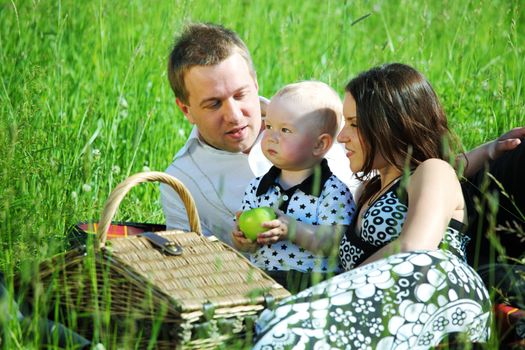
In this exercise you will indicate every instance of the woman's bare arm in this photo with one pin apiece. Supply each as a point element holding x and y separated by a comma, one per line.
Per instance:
<point>434,197</point>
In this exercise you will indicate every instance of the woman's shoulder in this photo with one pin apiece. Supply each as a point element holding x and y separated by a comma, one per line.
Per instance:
<point>435,163</point>
<point>434,167</point>
<point>434,173</point>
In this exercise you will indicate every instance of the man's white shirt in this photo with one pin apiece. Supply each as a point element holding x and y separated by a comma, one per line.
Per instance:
<point>217,179</point>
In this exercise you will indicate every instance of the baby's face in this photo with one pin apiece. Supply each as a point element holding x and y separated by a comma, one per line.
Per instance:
<point>289,138</point>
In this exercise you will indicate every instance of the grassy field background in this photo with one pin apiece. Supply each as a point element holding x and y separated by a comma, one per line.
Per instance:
<point>85,101</point>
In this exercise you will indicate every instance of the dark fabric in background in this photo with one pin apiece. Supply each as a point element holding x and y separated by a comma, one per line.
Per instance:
<point>509,170</point>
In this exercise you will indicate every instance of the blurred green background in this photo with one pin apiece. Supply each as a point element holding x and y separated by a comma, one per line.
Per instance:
<point>85,101</point>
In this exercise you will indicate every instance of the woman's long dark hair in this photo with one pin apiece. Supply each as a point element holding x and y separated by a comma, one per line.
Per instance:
<point>399,117</point>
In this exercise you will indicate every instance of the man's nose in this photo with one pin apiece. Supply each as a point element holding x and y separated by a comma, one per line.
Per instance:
<point>232,111</point>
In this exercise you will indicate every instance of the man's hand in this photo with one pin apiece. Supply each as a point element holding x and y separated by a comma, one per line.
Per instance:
<point>476,158</point>
<point>506,142</point>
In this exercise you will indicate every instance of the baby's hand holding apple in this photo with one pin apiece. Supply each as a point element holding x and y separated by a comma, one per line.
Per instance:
<point>276,231</point>
<point>251,221</point>
<point>263,225</point>
<point>242,243</point>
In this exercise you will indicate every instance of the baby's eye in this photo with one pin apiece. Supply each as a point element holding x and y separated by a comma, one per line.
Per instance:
<point>267,126</point>
<point>286,130</point>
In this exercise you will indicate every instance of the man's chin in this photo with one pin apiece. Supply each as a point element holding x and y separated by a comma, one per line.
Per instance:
<point>243,146</point>
<point>240,147</point>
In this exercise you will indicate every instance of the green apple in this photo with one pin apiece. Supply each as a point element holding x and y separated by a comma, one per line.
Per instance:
<point>251,220</point>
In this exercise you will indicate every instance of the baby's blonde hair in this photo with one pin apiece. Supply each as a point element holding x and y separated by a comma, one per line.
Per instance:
<point>318,99</point>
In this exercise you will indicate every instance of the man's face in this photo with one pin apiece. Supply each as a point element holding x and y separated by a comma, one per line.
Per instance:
<point>224,104</point>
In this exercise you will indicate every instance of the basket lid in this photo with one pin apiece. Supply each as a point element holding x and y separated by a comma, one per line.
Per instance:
<point>208,272</point>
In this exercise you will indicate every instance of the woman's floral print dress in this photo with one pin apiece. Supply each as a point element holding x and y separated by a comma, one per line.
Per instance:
<point>407,300</point>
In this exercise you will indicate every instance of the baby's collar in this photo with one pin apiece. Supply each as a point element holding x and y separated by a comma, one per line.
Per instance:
<point>307,186</point>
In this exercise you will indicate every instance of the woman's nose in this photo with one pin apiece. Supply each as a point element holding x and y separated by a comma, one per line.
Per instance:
<point>342,137</point>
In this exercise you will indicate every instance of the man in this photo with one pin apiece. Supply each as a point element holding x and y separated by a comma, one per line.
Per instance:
<point>215,84</point>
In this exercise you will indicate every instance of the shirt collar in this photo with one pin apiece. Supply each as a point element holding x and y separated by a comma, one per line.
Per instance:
<point>192,139</point>
<point>258,163</point>
<point>270,179</point>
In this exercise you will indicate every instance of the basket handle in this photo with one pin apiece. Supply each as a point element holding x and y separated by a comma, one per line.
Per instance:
<point>122,189</point>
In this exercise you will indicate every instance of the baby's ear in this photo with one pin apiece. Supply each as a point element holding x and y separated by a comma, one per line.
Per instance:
<point>324,142</point>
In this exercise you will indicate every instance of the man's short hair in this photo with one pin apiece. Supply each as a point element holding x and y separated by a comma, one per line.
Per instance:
<point>317,99</point>
<point>202,44</point>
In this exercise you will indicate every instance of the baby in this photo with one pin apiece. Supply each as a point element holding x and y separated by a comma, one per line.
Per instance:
<point>312,205</point>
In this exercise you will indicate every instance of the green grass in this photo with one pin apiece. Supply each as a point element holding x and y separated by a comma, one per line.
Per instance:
<point>85,102</point>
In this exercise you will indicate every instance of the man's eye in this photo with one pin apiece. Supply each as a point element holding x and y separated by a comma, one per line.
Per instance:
<point>240,96</point>
<point>214,105</point>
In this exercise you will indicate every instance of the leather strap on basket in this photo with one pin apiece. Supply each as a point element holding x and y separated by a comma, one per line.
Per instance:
<point>122,189</point>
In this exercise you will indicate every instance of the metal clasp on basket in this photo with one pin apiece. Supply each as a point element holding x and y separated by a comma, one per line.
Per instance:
<point>164,244</point>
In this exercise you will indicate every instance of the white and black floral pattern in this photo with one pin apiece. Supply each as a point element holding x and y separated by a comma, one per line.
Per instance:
<point>408,300</point>
<point>382,222</point>
<point>405,301</point>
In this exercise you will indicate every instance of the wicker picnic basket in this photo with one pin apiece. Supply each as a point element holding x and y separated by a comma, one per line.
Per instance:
<point>203,295</point>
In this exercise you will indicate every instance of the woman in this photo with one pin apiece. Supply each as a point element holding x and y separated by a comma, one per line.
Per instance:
<point>412,286</point>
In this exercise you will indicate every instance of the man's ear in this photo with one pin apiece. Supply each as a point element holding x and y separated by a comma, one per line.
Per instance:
<point>323,144</point>
<point>185,109</point>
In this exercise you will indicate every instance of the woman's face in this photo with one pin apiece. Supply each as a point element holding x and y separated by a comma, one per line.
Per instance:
<point>353,140</point>
<point>349,135</point>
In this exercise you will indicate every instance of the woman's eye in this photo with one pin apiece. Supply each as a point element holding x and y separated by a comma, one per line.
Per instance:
<point>268,127</point>
<point>352,122</point>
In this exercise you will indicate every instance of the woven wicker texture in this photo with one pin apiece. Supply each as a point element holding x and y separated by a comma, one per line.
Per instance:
<point>122,189</point>
<point>210,289</point>
<point>206,272</point>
